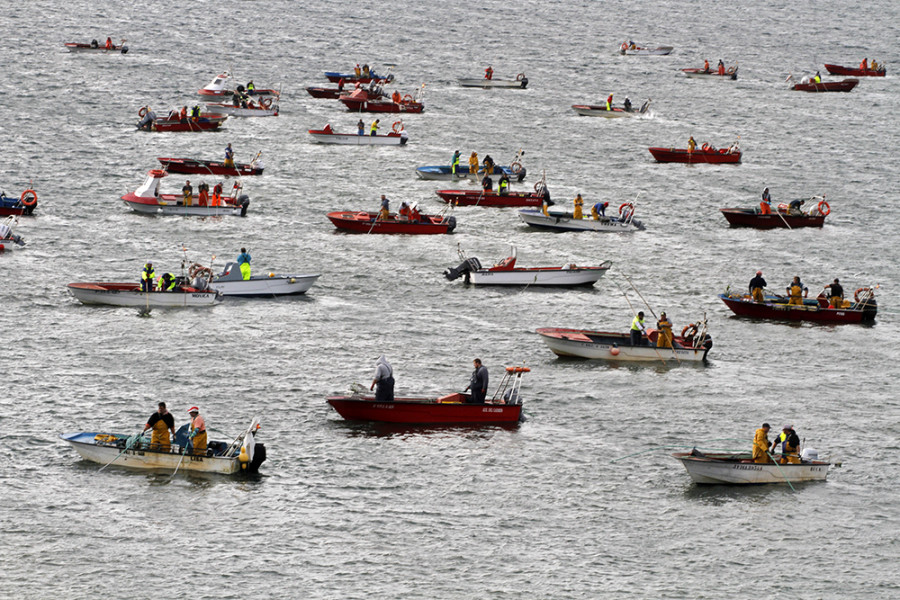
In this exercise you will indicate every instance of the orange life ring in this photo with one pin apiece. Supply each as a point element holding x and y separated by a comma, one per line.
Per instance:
<point>782,206</point>
<point>862,289</point>
<point>704,147</point>
<point>629,205</point>
<point>265,102</point>
<point>624,45</point>
<point>397,126</point>
<point>520,76</point>
<point>516,167</point>
<point>407,99</point>
<point>693,329</point>
<point>25,200</point>
<point>142,112</point>
<point>196,269</point>
<point>730,71</point>
<point>157,173</point>
<point>826,210</point>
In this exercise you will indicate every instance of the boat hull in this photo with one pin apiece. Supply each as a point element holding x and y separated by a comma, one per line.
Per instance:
<point>365,222</point>
<point>263,286</point>
<point>748,217</point>
<point>442,172</point>
<point>854,71</point>
<point>321,92</point>
<point>129,294</point>
<point>565,222</point>
<point>701,74</point>
<point>495,83</point>
<point>616,347</point>
<point>168,205</point>
<point>739,469</point>
<point>540,276</point>
<point>335,77</point>
<point>659,51</point>
<point>811,310</point>
<point>381,106</point>
<point>681,155</point>
<point>354,139</point>
<point>827,86</point>
<point>596,110</point>
<point>207,167</point>
<point>478,198</point>
<point>100,49</point>
<point>424,411</point>
<point>205,123</point>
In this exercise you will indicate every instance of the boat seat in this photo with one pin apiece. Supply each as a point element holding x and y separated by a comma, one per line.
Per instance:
<point>456,398</point>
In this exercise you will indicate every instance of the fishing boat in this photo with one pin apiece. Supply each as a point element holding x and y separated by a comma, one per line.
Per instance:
<point>336,77</point>
<point>221,87</point>
<point>230,282</point>
<point>148,199</point>
<point>265,108</point>
<point>396,137</point>
<point>205,122</point>
<point>736,468</point>
<point>9,239</point>
<point>23,205</point>
<point>503,408</point>
<point>489,198</point>
<point>692,345</point>
<point>194,166</point>
<point>631,49</point>
<point>130,294</point>
<point>367,222</point>
<point>775,307</point>
<point>705,154</point>
<point>599,110</point>
<point>855,71</point>
<point>241,455</point>
<point>565,221</point>
<point>520,82</point>
<point>782,217</point>
<point>729,74</point>
<point>515,171</point>
<point>97,47</point>
<point>323,92</point>
<point>505,272</point>
<point>807,85</point>
<point>362,101</point>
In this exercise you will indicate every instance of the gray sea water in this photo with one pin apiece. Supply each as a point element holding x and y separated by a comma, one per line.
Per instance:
<point>540,511</point>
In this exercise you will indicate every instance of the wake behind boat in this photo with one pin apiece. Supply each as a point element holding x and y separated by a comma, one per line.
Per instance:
<point>505,272</point>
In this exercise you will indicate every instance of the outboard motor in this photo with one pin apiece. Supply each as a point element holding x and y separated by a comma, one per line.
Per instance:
<point>638,224</point>
<point>259,457</point>
<point>124,49</point>
<point>521,174</point>
<point>524,82</point>
<point>244,201</point>
<point>809,454</point>
<point>451,223</point>
<point>464,268</point>
<point>94,44</point>
<point>240,88</point>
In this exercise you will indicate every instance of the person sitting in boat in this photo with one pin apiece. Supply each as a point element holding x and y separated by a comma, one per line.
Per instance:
<point>203,194</point>
<point>664,338</point>
<point>365,71</point>
<point>361,128</point>
<point>165,283</point>
<point>161,422</point>
<point>489,73</point>
<point>503,184</point>
<point>187,193</point>
<point>794,208</point>
<point>488,164</point>
<point>765,207</point>
<point>691,144</point>
<point>609,102</point>
<point>835,294</point>
<point>487,184</point>
<point>579,204</point>
<point>632,45</point>
<point>473,163</point>
<point>403,213</point>
<point>384,379</point>
<point>396,97</point>
<point>598,211</point>
<point>373,130</point>
<point>385,212</point>
<point>183,115</point>
<point>790,446</point>
<point>229,156</point>
<point>638,329</point>
<point>454,164</point>
<point>720,69</point>
<point>109,43</point>
<point>705,66</point>
<point>761,445</point>
<point>797,291</point>
<point>817,78</point>
<point>414,215</point>
<point>197,429</point>
<point>628,104</point>
<point>95,44</point>
<point>546,201</point>
<point>243,261</point>
<point>478,383</point>
<point>757,285</point>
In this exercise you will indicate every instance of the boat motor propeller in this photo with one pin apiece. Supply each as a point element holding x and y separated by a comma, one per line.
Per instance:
<point>464,268</point>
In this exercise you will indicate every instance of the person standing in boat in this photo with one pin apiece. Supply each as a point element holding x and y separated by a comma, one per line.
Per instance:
<point>664,339</point>
<point>864,65</point>
<point>361,128</point>
<point>473,164</point>
<point>598,210</point>
<point>109,44</point>
<point>161,422</point>
<point>503,184</point>
<point>373,130</point>
<point>489,73</point>
<point>546,201</point>
<point>638,329</point>
<point>147,277</point>
<point>187,193</point>
<point>250,87</point>
<point>384,212</point>
<point>835,294</point>
<point>790,445</point>
<point>487,184</point>
<point>488,164</point>
<point>628,104</point>
<point>384,379</point>
<point>197,430</point>
<point>720,69</point>
<point>229,157</point>
<point>817,78</point>
<point>691,144</point>
<point>454,165</point>
<point>478,383</point>
<point>797,291</point>
<point>765,207</point>
<point>609,102</point>
<point>761,445</point>
<point>757,284</point>
<point>243,261</point>
<point>705,66</point>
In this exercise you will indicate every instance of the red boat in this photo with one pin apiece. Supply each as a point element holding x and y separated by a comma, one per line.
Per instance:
<point>782,217</point>
<point>505,408</point>
<point>827,86</point>
<point>862,309</point>
<point>366,222</point>
<point>95,46</point>
<point>361,101</point>
<point>855,71</point>
<point>209,167</point>
<point>708,154</point>
<point>335,77</point>
<point>482,198</point>
<point>321,92</point>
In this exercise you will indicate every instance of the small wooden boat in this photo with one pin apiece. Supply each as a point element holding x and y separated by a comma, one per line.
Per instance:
<point>210,167</point>
<point>396,137</point>
<point>230,282</point>
<point>863,309</point>
<point>221,87</point>
<point>148,199</point>
<point>739,468</point>
<point>691,346</point>
<point>205,122</point>
<point>806,85</point>
<point>322,92</point>
<point>23,205</point>
<point>265,108</point>
<point>362,101</point>
<point>518,83</point>
<point>97,47</point>
<point>599,110</point>
<point>503,408</point>
<point>515,171</point>
<point>634,50</point>
<point>505,272</point>
<point>565,221</point>
<point>366,222</point>
<point>780,218</point>
<point>130,294</point>
<point>335,77</point>
<point>9,239</point>
<point>730,74</point>
<point>489,198</point>
<point>709,155</point>
<point>241,455</point>
<point>855,71</point>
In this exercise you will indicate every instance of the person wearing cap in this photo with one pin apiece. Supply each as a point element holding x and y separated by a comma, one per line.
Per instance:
<point>161,422</point>
<point>503,184</point>
<point>187,193</point>
<point>384,379</point>
<point>147,277</point>
<point>637,329</point>
<point>835,294</point>
<point>473,163</point>
<point>790,445</point>
<point>454,165</point>
<point>664,339</point>
<point>761,444</point>
<point>229,157</point>
<point>797,291</point>
<point>197,431</point>
<point>765,206</point>
<point>478,383</point>
<point>756,287</point>
<point>598,210</point>
<point>579,204</point>
<point>243,261</point>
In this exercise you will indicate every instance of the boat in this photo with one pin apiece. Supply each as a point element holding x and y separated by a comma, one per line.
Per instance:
<point>782,217</point>
<point>855,71</point>
<point>692,345</point>
<point>518,83</point>
<point>220,87</point>
<point>503,408</point>
<point>205,122</point>
<point>9,239</point>
<point>730,73</point>
<point>97,47</point>
<point>738,468</point>
<point>23,205</point>
<point>265,108</point>
<point>489,198</point>
<point>705,154</point>
<point>130,294</point>
<point>241,455</point>
<point>807,85</point>
<point>565,221</point>
<point>148,199</point>
<point>505,272</point>
<point>599,110</point>
<point>396,137</point>
<point>366,222</point>
<point>230,282</point>
<point>631,49</point>
<point>196,166</point>
<point>515,171</point>
<point>361,100</point>
<point>335,77</point>
<point>322,92</point>
<point>863,309</point>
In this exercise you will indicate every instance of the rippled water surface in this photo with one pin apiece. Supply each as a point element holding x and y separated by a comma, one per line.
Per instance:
<point>346,510</point>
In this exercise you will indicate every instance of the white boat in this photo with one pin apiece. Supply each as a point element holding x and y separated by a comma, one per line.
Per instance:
<point>147,199</point>
<point>599,110</point>
<point>230,283</point>
<point>520,82</point>
<point>605,345</point>
<point>505,272</point>
<point>265,108</point>
<point>243,454</point>
<point>729,75</point>
<point>130,294</point>
<point>562,221</point>
<point>638,51</point>
<point>221,87</point>
<point>9,239</point>
<point>739,468</point>
<point>397,137</point>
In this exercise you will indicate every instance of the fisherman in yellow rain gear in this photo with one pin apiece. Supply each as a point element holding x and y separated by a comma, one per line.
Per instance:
<point>197,431</point>
<point>790,445</point>
<point>761,444</point>
<point>598,210</point>
<point>664,340</point>
<point>579,203</point>
<point>385,211</point>
<point>473,163</point>
<point>797,292</point>
<point>691,144</point>
<point>757,285</point>
<point>161,422</point>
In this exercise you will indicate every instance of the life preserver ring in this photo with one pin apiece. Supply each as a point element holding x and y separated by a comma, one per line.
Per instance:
<point>397,127</point>
<point>28,198</point>
<point>265,102</point>
<point>142,112</point>
<point>196,269</point>
<point>626,205</point>
<point>539,187</point>
<point>520,76</point>
<point>782,206</point>
<point>704,147</point>
<point>407,99</point>
<point>730,70</point>
<point>868,290</point>
<point>624,46</point>
<point>692,327</point>
<point>516,167</point>
<point>824,208</point>
<point>157,173</point>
